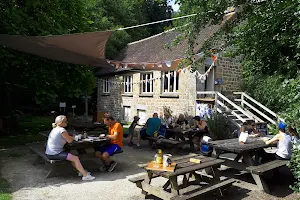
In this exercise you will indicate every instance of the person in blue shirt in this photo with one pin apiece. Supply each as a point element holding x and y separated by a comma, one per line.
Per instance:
<point>152,125</point>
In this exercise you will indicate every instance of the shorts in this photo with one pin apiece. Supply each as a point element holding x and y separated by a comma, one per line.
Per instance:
<point>61,156</point>
<point>110,149</point>
<point>130,131</point>
<point>144,134</point>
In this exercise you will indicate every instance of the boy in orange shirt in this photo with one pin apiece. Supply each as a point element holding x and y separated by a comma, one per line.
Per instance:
<point>115,134</point>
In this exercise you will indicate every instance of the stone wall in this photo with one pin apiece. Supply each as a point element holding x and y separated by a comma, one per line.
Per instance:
<point>181,102</point>
<point>230,71</point>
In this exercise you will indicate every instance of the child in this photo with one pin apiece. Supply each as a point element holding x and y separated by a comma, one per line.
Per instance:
<point>131,130</point>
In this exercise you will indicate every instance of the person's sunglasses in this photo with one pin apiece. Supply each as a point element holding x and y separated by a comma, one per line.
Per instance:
<point>253,125</point>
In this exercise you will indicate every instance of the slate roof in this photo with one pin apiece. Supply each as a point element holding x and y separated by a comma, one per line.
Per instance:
<point>153,49</point>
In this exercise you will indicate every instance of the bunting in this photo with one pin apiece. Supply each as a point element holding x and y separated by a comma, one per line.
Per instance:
<point>170,65</point>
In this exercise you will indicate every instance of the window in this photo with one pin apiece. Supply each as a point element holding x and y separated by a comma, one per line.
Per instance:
<point>142,115</point>
<point>170,81</point>
<point>127,111</point>
<point>147,83</point>
<point>127,84</point>
<point>106,86</point>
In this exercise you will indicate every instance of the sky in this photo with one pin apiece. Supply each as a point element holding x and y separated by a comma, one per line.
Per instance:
<point>174,6</point>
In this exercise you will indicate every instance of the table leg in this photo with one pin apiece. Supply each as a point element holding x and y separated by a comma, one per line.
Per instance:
<point>174,185</point>
<point>258,179</point>
<point>192,146</point>
<point>147,180</point>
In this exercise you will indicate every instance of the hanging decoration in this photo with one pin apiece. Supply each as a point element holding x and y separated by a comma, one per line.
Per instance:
<point>159,65</point>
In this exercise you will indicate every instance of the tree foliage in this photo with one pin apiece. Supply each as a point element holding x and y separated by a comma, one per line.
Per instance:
<point>267,35</point>
<point>44,81</point>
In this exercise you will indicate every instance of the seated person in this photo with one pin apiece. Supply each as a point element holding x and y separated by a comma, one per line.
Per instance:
<point>201,126</point>
<point>131,130</point>
<point>152,125</point>
<point>294,135</point>
<point>248,129</point>
<point>181,120</point>
<point>57,138</point>
<point>284,144</point>
<point>115,134</point>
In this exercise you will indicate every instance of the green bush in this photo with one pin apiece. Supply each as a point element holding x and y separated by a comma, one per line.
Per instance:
<point>294,165</point>
<point>219,126</point>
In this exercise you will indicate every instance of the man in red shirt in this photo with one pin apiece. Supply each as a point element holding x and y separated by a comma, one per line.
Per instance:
<point>115,134</point>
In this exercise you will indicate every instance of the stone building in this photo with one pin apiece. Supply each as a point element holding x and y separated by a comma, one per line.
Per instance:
<point>129,92</point>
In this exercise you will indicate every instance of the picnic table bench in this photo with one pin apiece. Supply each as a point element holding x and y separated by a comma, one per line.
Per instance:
<point>190,187</point>
<point>39,149</point>
<point>80,146</point>
<point>247,152</point>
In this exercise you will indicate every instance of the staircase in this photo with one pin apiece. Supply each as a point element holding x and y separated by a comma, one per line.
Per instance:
<point>241,109</point>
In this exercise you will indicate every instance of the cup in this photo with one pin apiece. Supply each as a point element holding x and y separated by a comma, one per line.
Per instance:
<point>165,159</point>
<point>76,137</point>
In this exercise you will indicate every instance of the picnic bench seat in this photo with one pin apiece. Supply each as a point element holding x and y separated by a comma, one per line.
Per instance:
<point>174,143</point>
<point>39,149</point>
<point>194,194</point>
<point>269,166</point>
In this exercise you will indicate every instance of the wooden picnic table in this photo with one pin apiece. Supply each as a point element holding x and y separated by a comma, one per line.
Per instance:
<point>190,186</point>
<point>247,151</point>
<point>81,145</point>
<point>180,133</point>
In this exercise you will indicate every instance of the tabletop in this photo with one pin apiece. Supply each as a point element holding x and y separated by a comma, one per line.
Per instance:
<point>90,139</point>
<point>234,146</point>
<point>185,166</point>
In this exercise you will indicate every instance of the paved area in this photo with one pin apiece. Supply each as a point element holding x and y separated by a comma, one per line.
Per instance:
<point>28,182</point>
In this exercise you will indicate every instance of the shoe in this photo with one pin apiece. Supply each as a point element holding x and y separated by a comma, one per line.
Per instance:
<point>103,168</point>
<point>160,137</point>
<point>137,147</point>
<point>88,178</point>
<point>79,174</point>
<point>131,144</point>
<point>112,166</point>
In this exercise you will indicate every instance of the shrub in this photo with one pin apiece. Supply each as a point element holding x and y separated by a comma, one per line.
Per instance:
<point>294,165</point>
<point>219,126</point>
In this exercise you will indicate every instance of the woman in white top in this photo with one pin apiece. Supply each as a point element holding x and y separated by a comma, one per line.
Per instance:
<point>284,143</point>
<point>57,138</point>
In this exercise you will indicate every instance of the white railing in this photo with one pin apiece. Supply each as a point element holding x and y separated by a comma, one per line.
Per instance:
<point>255,106</point>
<point>218,103</point>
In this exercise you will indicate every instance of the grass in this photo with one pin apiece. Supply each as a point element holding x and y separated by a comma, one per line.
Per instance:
<point>27,131</point>
<point>5,193</point>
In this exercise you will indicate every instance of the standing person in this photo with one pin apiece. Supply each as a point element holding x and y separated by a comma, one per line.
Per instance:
<point>131,130</point>
<point>58,137</point>
<point>284,143</point>
<point>115,134</point>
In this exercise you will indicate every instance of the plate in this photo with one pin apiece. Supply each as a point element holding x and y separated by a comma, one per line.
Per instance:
<point>93,137</point>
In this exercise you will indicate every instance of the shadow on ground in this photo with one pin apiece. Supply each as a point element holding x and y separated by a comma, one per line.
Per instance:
<point>28,182</point>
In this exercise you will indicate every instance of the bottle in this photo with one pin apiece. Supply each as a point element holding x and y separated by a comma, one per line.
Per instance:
<point>85,134</point>
<point>159,157</point>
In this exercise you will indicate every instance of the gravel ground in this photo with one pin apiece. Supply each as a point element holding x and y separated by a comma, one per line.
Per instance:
<point>28,182</point>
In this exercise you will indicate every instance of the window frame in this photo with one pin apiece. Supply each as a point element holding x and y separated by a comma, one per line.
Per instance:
<point>145,81</point>
<point>175,82</point>
<point>106,86</point>
<point>128,79</point>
